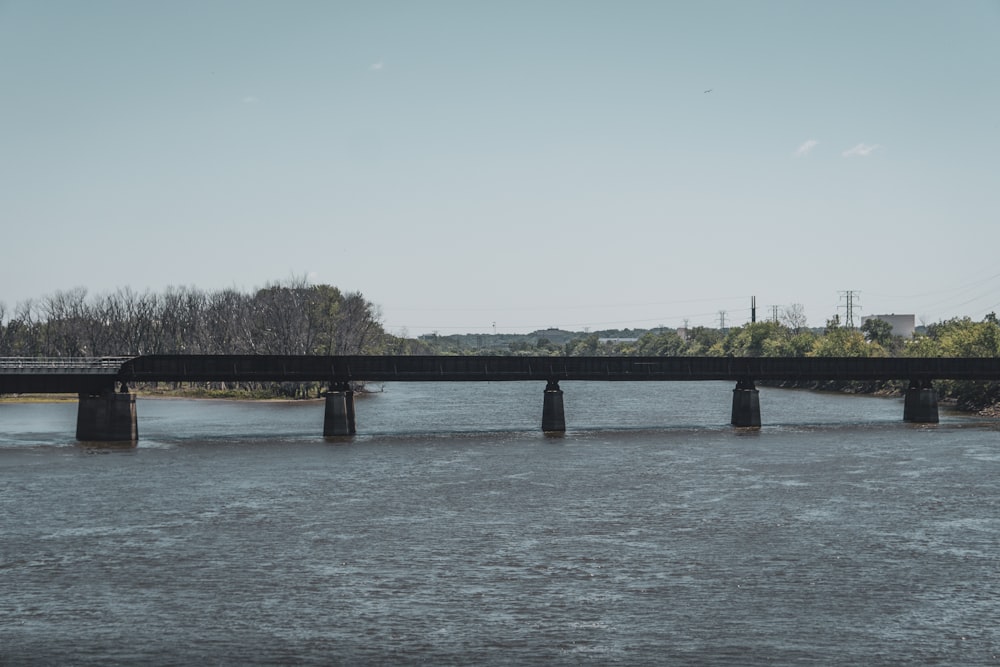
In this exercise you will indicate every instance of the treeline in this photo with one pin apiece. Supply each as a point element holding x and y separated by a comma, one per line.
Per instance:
<point>296,317</point>
<point>285,318</point>
<point>960,337</point>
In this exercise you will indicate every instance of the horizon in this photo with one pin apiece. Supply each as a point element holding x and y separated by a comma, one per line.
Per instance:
<point>7,313</point>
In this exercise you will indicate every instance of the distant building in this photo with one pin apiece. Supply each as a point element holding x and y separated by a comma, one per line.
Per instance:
<point>617,340</point>
<point>902,325</point>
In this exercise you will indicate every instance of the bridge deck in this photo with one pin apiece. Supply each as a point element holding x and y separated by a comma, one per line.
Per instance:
<point>482,368</point>
<point>83,375</point>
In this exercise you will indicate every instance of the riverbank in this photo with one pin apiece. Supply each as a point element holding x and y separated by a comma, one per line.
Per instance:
<point>38,398</point>
<point>182,393</point>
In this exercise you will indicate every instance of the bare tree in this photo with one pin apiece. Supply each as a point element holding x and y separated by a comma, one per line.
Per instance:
<point>24,327</point>
<point>794,317</point>
<point>179,321</point>
<point>358,327</point>
<point>283,318</point>
<point>285,324</point>
<point>4,332</point>
<point>64,323</point>
<point>226,326</point>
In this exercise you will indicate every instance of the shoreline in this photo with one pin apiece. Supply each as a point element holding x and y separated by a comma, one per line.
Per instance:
<point>988,412</point>
<point>38,398</point>
<point>72,398</point>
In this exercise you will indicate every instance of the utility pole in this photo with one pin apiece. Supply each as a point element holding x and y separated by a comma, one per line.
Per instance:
<point>722,321</point>
<point>774,314</point>
<point>850,303</point>
<point>753,309</point>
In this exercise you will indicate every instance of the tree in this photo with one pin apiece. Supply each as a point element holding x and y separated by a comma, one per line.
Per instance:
<point>961,337</point>
<point>757,339</point>
<point>4,332</point>
<point>794,317</point>
<point>843,342</point>
<point>802,343</point>
<point>662,344</point>
<point>180,321</point>
<point>62,324</point>
<point>877,331</point>
<point>358,328</point>
<point>324,308</point>
<point>281,323</point>
<point>23,328</point>
<point>583,347</point>
<point>700,340</point>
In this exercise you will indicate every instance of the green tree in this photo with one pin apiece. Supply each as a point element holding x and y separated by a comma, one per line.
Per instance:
<point>583,347</point>
<point>802,343</point>
<point>843,342</point>
<point>758,339</point>
<point>660,344</point>
<point>700,341</point>
<point>877,331</point>
<point>962,337</point>
<point>922,345</point>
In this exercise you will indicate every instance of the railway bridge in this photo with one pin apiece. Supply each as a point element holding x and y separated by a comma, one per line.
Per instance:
<point>107,409</point>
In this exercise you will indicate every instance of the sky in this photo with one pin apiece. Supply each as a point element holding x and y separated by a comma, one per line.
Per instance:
<point>479,167</point>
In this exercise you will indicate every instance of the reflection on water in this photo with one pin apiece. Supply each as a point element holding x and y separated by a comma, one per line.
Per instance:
<point>452,531</point>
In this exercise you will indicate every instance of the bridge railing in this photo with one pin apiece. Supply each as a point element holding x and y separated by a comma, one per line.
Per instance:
<point>92,365</point>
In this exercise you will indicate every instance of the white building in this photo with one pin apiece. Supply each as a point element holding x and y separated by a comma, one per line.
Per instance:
<point>902,325</point>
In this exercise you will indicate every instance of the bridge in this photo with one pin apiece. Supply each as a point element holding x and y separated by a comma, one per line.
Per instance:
<point>107,407</point>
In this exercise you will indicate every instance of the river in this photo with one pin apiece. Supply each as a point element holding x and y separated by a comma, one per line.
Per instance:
<point>451,531</point>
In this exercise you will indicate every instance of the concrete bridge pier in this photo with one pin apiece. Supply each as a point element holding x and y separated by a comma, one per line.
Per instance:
<point>553,416</point>
<point>746,404</point>
<point>107,416</point>
<point>920,403</point>
<point>339,417</point>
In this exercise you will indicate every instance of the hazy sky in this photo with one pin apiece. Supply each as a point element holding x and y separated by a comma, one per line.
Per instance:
<point>524,163</point>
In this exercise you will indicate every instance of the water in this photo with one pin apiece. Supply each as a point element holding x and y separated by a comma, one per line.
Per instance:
<point>452,532</point>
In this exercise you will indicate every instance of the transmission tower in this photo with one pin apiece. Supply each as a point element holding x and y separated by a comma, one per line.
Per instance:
<point>850,299</point>
<point>722,320</point>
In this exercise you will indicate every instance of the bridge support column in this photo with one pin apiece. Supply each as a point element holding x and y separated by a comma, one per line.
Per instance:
<point>746,404</point>
<point>339,416</point>
<point>920,403</point>
<point>553,416</point>
<point>107,417</point>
